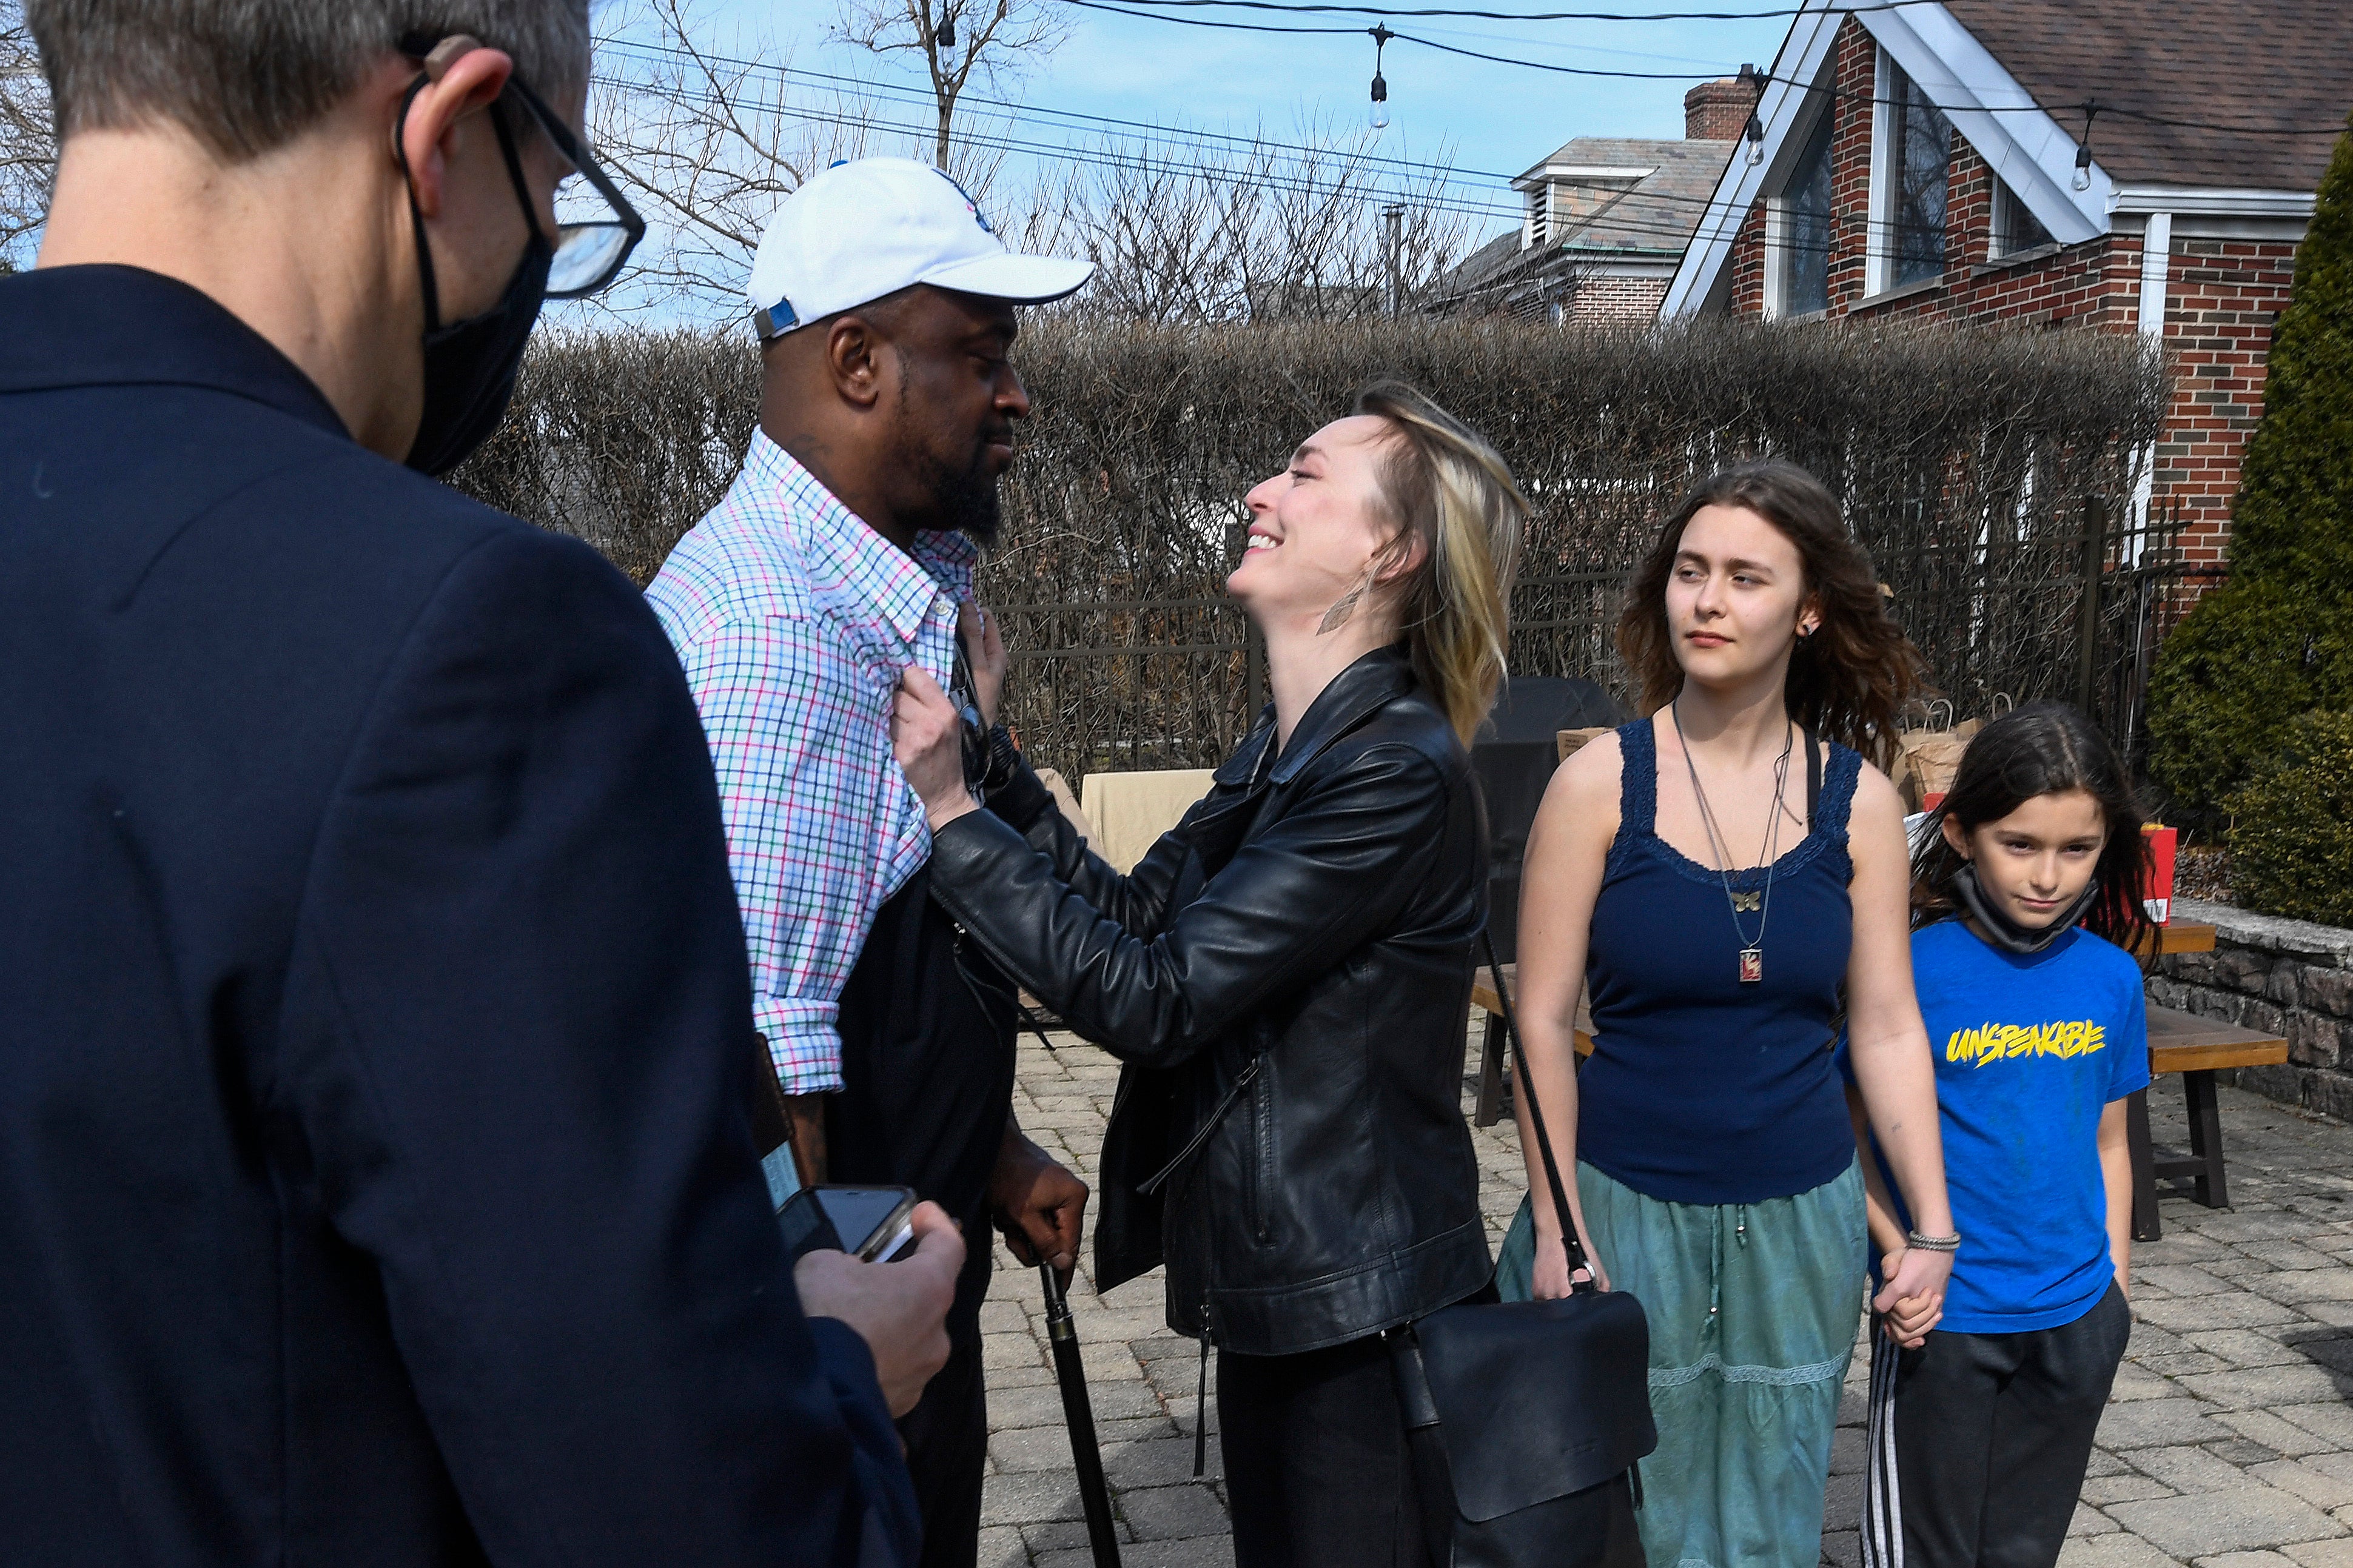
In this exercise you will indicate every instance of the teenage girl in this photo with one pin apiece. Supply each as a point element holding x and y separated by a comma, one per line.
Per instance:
<point>1979,1437</point>
<point>1718,872</point>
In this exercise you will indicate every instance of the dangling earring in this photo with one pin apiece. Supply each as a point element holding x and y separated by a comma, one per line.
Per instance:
<point>1345,606</point>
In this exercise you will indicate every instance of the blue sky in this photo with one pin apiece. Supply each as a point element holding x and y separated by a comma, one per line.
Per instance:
<point>1489,117</point>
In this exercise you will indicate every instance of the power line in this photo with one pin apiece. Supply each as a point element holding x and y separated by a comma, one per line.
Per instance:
<point>1406,37</point>
<point>1145,161</point>
<point>1851,95</point>
<point>923,95</point>
<point>1144,130</point>
<point>1679,236</point>
<point>1154,137</point>
<point>1291,6</point>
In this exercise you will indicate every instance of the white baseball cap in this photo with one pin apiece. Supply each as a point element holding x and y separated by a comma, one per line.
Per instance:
<point>864,229</point>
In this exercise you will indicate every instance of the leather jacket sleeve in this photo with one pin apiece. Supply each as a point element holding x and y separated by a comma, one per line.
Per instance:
<point>1297,897</point>
<point>1139,900</point>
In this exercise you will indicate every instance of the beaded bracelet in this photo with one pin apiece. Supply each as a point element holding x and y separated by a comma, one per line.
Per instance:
<point>1933,1242</point>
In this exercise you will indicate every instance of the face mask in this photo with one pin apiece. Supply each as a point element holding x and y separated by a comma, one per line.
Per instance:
<point>470,365</point>
<point>2005,933</point>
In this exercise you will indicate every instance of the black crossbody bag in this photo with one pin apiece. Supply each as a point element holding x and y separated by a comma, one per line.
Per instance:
<point>1527,1419</point>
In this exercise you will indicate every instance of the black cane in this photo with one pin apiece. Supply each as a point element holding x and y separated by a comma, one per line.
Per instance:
<point>1080,1415</point>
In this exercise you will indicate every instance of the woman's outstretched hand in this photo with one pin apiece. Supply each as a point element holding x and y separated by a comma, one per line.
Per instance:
<point>1550,1279</point>
<point>927,737</point>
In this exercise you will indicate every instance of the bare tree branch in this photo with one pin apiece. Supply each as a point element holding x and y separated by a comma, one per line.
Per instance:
<point>28,143</point>
<point>998,41</point>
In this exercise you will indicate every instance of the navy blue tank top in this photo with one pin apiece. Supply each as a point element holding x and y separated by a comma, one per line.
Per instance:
<point>1702,1089</point>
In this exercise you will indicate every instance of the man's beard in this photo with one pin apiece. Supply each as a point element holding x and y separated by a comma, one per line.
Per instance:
<point>968,502</point>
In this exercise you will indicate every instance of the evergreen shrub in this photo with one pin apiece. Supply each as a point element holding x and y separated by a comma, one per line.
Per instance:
<point>2292,834</point>
<point>2277,639</point>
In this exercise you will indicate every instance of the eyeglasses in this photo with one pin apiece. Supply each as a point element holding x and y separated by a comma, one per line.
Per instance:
<point>591,251</point>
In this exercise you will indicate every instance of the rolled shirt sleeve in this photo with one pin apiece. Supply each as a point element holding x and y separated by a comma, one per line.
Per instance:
<point>791,741</point>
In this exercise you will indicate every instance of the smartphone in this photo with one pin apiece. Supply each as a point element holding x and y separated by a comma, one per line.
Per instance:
<point>870,1222</point>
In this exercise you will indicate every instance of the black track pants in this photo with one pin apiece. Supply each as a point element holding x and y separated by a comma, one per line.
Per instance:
<point>1978,1442</point>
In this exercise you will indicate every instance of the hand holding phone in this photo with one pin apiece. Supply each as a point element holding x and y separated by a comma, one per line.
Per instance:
<point>900,1310</point>
<point>869,1223</point>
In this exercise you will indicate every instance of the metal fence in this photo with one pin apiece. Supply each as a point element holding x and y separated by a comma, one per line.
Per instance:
<point>2002,619</point>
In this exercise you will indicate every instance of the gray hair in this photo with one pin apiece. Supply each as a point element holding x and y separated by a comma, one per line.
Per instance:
<point>246,76</point>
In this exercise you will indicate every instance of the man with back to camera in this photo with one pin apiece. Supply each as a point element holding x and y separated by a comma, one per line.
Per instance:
<point>842,553</point>
<point>377,1187</point>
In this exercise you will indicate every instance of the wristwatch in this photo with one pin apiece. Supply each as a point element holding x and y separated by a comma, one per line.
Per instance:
<point>990,757</point>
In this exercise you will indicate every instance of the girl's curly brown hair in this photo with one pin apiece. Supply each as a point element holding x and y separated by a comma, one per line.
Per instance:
<point>1847,682</point>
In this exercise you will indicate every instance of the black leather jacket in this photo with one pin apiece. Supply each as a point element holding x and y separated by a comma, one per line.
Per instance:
<point>1286,976</point>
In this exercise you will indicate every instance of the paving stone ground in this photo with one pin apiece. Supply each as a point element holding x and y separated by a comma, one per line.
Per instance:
<point>2228,1443</point>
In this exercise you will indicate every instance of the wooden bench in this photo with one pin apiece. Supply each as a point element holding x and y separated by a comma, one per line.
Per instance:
<point>2178,1043</point>
<point>2196,1048</point>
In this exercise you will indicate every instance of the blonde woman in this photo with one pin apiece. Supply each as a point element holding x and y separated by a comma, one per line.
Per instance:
<point>1285,974</point>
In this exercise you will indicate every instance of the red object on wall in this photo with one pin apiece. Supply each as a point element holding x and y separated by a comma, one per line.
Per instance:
<point>2163,842</point>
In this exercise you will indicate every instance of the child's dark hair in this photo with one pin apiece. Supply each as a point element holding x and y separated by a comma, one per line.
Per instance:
<point>2044,748</point>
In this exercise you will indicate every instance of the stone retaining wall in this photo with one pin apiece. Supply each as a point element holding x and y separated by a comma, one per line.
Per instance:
<point>2282,977</point>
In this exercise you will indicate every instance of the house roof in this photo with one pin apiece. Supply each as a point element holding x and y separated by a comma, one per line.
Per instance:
<point>1601,215</point>
<point>2011,76</point>
<point>2265,63</point>
<point>1656,214</point>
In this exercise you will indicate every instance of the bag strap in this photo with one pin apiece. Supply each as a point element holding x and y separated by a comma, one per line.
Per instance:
<point>1561,1211</point>
<point>1433,1475</point>
<point>1813,779</point>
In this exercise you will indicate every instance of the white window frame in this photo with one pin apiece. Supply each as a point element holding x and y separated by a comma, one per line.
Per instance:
<point>1777,233</point>
<point>1878,249</point>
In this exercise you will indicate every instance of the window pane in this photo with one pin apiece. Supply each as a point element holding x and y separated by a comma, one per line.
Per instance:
<point>1806,226</point>
<point>1919,164</point>
<point>2014,227</point>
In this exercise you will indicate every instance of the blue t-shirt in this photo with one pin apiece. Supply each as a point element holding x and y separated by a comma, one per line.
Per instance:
<point>2030,1051</point>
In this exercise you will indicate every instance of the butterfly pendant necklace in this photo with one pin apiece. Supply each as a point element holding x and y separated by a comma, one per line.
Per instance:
<point>1740,902</point>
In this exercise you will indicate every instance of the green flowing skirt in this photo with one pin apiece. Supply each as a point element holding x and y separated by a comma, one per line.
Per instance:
<point>1753,1309</point>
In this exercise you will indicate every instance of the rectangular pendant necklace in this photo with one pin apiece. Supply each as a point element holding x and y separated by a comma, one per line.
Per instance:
<point>1759,901</point>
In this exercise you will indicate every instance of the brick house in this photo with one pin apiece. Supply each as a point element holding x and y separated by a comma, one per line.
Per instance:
<point>1606,221</point>
<point>1922,161</point>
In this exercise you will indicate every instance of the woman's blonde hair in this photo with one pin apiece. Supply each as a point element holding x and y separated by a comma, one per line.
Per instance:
<point>1448,488</point>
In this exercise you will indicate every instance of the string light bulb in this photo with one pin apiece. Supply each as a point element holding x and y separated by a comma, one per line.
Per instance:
<point>1380,116</point>
<point>945,34</point>
<point>1756,139</point>
<point>2082,180</point>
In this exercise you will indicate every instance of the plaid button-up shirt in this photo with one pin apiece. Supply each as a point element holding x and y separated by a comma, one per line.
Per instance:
<point>794,619</point>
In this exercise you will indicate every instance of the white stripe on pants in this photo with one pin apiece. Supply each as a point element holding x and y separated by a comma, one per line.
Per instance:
<point>1882,1497</point>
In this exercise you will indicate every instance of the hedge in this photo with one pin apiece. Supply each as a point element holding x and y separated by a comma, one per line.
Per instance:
<point>1963,460</point>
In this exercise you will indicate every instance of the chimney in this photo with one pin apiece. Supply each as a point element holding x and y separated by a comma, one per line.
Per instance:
<point>1716,111</point>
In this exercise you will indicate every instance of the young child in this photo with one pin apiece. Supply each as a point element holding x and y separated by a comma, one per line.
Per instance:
<point>2027,879</point>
